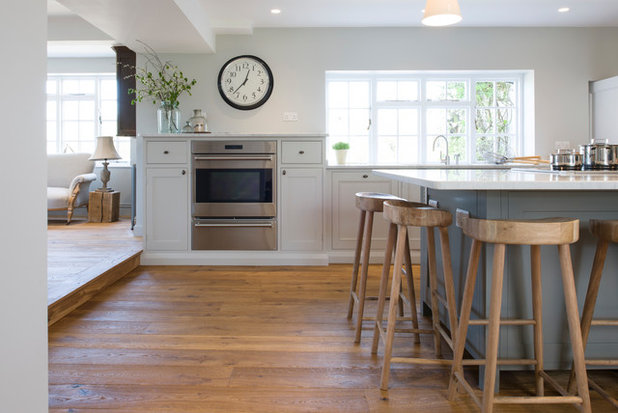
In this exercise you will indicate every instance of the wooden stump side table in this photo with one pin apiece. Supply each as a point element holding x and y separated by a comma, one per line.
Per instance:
<point>103,206</point>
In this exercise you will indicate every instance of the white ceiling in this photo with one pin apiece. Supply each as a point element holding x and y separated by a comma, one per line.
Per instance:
<point>190,26</point>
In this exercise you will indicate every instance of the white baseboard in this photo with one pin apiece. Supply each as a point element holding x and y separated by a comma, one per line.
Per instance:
<point>233,258</point>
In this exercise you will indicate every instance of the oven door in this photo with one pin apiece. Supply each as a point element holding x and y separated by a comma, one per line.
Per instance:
<point>234,234</point>
<point>230,186</point>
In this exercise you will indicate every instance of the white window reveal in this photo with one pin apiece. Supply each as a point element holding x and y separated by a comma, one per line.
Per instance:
<point>395,117</point>
<point>80,108</point>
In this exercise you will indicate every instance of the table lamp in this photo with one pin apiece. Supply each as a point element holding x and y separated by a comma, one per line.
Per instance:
<point>104,151</point>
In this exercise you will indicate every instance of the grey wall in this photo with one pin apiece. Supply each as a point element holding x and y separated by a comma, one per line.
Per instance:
<point>563,61</point>
<point>23,238</point>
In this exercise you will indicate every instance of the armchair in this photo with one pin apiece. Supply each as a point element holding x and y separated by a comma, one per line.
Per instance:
<point>68,181</point>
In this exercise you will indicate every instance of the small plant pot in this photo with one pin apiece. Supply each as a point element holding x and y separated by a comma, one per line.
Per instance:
<point>341,155</point>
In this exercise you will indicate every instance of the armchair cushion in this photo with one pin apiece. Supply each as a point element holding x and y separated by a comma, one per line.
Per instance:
<point>68,181</point>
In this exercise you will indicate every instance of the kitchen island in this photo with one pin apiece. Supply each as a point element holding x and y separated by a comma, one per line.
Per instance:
<point>527,194</point>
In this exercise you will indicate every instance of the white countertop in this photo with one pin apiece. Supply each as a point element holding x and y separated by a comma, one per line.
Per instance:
<point>492,179</point>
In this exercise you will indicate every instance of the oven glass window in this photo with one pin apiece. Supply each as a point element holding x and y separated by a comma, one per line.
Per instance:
<point>233,185</point>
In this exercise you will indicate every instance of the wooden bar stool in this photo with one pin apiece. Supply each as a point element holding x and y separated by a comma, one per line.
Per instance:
<point>402,214</point>
<point>553,231</point>
<point>606,231</point>
<point>368,203</point>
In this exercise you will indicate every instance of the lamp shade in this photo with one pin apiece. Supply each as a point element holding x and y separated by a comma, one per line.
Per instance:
<point>441,13</point>
<point>105,149</point>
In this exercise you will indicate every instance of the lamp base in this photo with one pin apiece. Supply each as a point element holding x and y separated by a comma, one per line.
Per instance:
<point>104,190</point>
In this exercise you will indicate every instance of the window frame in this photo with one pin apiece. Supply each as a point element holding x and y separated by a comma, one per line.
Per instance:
<point>422,77</point>
<point>97,97</point>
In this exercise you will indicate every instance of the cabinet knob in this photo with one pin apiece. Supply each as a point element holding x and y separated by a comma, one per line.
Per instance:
<point>365,176</point>
<point>166,152</point>
<point>301,152</point>
<point>184,172</point>
<point>284,172</point>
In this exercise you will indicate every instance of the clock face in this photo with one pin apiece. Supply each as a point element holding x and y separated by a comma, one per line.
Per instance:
<point>245,82</point>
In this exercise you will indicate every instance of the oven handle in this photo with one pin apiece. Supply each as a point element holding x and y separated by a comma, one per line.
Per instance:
<point>265,225</point>
<point>233,158</point>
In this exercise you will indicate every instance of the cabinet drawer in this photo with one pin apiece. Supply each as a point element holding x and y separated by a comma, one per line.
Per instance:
<point>167,152</point>
<point>301,152</point>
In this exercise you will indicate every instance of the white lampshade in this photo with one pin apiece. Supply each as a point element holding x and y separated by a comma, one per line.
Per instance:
<point>441,13</point>
<point>105,149</point>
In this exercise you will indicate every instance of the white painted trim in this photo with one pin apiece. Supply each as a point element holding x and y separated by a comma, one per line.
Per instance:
<point>233,258</point>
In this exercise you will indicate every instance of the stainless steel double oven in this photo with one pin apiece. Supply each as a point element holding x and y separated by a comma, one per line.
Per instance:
<point>234,195</point>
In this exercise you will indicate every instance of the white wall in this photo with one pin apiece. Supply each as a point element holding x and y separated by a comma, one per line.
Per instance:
<point>563,61</point>
<point>23,238</point>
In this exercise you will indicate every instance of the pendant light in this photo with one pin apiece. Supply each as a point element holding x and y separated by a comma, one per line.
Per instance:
<point>441,13</point>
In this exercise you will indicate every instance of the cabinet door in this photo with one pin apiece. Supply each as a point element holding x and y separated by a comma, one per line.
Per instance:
<point>301,209</point>
<point>344,213</point>
<point>167,211</point>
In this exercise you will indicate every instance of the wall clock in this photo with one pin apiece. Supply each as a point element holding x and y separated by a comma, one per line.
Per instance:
<point>245,82</point>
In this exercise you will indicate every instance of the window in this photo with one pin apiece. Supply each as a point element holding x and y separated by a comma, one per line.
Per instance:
<point>395,117</point>
<point>80,108</point>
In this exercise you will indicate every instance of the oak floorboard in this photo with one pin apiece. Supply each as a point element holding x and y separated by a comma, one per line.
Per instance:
<point>84,259</point>
<point>246,339</point>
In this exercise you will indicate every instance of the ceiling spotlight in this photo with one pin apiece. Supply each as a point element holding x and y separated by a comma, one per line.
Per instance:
<point>563,9</point>
<point>441,13</point>
<point>275,11</point>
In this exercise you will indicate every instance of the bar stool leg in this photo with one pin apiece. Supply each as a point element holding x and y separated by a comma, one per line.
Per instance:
<point>464,318</point>
<point>493,328</point>
<point>591,298</point>
<point>433,287</point>
<point>537,313</point>
<point>362,288</point>
<point>392,306</point>
<point>570,299</point>
<point>392,236</point>
<point>449,286</point>
<point>411,293</point>
<point>357,252</point>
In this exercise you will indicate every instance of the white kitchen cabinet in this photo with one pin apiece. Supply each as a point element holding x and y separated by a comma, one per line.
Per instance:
<point>167,209</point>
<point>345,215</point>
<point>301,209</point>
<point>301,206</point>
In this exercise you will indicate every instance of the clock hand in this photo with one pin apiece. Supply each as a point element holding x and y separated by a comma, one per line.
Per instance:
<point>243,83</point>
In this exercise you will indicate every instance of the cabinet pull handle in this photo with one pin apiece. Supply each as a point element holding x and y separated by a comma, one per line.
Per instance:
<point>166,152</point>
<point>284,172</point>
<point>301,152</point>
<point>365,176</point>
<point>184,172</point>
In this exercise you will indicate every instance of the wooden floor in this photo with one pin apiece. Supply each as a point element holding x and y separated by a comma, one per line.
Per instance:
<point>84,258</point>
<point>238,339</point>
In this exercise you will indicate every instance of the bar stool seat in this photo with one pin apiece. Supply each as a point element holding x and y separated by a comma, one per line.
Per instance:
<point>402,214</point>
<point>606,232</point>
<point>553,231</point>
<point>368,203</point>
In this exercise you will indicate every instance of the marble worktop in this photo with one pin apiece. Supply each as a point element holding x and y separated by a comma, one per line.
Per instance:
<point>511,179</point>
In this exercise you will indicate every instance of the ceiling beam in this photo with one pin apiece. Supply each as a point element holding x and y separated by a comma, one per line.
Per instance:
<point>161,24</point>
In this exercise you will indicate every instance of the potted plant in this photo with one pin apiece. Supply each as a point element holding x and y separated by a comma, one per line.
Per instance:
<point>163,82</point>
<point>341,150</point>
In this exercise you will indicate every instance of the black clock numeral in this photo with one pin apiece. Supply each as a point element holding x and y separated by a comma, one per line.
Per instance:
<point>261,81</point>
<point>259,89</point>
<point>244,97</point>
<point>232,74</point>
<point>228,80</point>
<point>237,95</point>
<point>259,73</point>
<point>231,89</point>
<point>254,95</point>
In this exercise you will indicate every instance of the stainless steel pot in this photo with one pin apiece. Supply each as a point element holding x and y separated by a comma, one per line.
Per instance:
<point>566,160</point>
<point>599,155</point>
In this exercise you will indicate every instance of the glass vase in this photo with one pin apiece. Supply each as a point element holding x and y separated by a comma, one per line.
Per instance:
<point>168,118</point>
